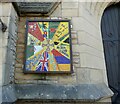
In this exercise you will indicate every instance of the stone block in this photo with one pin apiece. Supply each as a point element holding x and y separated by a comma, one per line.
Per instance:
<point>81,24</point>
<point>1,75</point>
<point>6,9</point>
<point>91,61</point>
<point>69,12</point>
<point>70,1</point>
<point>9,58</point>
<point>5,35</point>
<point>84,48</point>
<point>12,28</point>
<point>4,42</point>
<point>73,32</point>
<point>22,76</point>
<point>8,94</point>
<point>69,4</point>
<point>76,65</point>
<point>6,74</point>
<point>75,48</point>
<point>21,24</point>
<point>84,12</point>
<point>22,30</point>
<point>1,60</point>
<point>83,76</point>
<point>19,61</point>
<point>76,60</point>
<point>21,46</point>
<point>86,38</point>
<point>18,70</point>
<point>22,20</point>
<point>1,40</point>
<point>20,50</point>
<point>20,55</point>
<point>74,41</point>
<point>52,77</point>
<point>4,53</point>
<point>96,76</point>
<point>21,40</point>
<point>47,82</point>
<point>26,81</point>
<point>68,93</point>
<point>0,9</point>
<point>67,79</point>
<point>57,12</point>
<point>74,36</point>
<point>77,54</point>
<point>13,14</point>
<point>19,65</point>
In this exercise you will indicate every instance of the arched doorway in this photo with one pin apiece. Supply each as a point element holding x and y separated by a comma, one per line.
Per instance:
<point>111,40</point>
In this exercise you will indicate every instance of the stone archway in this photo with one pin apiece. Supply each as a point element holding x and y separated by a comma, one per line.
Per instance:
<point>110,36</point>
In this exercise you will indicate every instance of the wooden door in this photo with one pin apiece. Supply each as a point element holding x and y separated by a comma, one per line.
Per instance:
<point>110,27</point>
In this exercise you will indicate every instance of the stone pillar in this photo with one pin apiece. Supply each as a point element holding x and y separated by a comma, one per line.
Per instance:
<point>9,17</point>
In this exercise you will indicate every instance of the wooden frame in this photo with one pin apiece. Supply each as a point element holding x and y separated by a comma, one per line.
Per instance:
<point>48,46</point>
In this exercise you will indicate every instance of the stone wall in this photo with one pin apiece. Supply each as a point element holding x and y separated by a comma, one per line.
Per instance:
<point>20,77</point>
<point>9,17</point>
<point>8,50</point>
<point>89,80</point>
<point>88,55</point>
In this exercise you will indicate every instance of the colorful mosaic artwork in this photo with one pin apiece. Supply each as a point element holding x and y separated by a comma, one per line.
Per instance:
<point>48,46</point>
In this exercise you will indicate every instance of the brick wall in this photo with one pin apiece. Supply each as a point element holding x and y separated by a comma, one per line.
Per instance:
<point>20,77</point>
<point>86,43</point>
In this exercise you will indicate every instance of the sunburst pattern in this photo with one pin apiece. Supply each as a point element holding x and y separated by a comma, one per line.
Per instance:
<point>48,47</point>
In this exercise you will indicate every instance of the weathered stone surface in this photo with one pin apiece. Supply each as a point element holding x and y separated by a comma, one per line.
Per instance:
<point>0,9</point>
<point>67,79</point>
<point>57,12</point>
<point>6,9</point>
<point>20,55</point>
<point>89,92</point>
<point>19,65</point>
<point>76,65</point>
<point>4,52</point>
<point>52,77</point>
<point>89,60</point>
<point>86,22</point>
<point>8,94</point>
<point>69,12</point>
<point>26,81</point>
<point>70,4</point>
<point>76,54</point>
<point>74,41</point>
<point>22,76</point>
<point>76,60</point>
<point>75,48</point>
<point>74,36</point>
<point>81,24</point>
<point>86,38</point>
<point>84,48</point>
<point>21,46</point>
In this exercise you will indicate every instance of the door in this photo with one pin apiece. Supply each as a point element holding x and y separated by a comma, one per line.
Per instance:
<point>110,28</point>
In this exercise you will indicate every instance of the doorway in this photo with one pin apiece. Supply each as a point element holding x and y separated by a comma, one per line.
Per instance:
<point>110,28</point>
